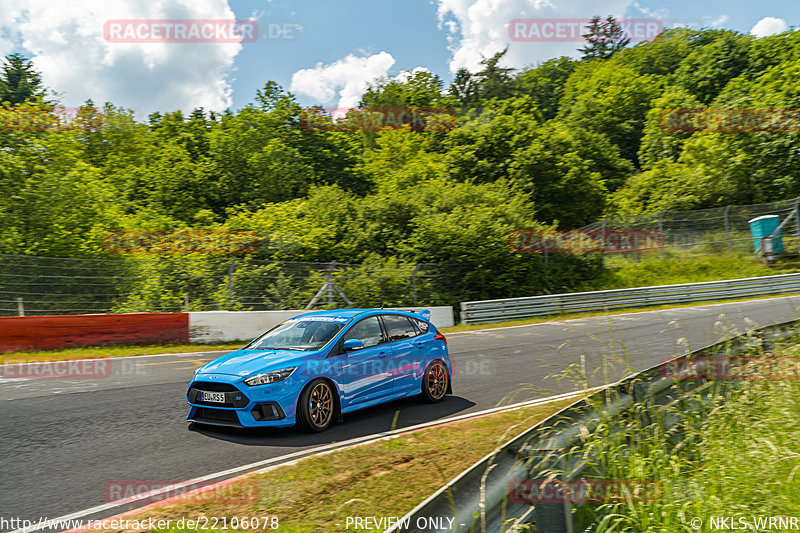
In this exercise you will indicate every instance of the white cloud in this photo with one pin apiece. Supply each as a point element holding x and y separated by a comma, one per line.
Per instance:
<point>719,21</point>
<point>66,42</point>
<point>404,75</point>
<point>343,81</point>
<point>479,28</point>
<point>769,26</point>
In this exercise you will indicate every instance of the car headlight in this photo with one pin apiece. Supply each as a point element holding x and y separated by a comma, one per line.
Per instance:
<point>270,377</point>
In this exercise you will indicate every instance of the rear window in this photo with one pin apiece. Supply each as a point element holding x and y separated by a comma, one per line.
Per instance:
<point>422,326</point>
<point>398,327</point>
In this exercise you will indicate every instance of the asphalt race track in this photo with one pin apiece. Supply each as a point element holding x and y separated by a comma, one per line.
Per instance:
<point>63,441</point>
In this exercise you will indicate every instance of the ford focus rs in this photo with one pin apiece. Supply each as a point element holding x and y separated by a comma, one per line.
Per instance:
<point>314,368</point>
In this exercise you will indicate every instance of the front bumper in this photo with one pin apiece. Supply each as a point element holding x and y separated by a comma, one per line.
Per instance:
<point>271,405</point>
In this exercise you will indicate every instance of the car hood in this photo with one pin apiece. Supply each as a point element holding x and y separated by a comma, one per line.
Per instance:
<point>249,362</point>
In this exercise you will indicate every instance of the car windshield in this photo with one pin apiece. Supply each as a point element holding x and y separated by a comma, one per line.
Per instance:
<point>299,334</point>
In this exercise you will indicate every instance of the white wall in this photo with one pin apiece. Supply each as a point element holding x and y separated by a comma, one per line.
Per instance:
<point>229,326</point>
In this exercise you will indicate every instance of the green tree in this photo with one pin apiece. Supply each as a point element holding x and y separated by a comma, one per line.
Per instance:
<point>611,98</point>
<point>604,38</point>
<point>708,68</point>
<point>494,81</point>
<point>464,88</point>
<point>418,89</point>
<point>545,84</point>
<point>19,81</point>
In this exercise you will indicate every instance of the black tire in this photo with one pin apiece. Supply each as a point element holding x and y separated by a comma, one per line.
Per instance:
<point>435,382</point>
<point>316,407</point>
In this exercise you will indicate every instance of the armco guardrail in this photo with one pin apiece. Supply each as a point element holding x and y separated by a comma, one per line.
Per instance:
<point>478,500</point>
<point>487,311</point>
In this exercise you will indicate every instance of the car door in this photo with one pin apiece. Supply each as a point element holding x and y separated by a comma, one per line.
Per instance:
<point>364,373</point>
<point>404,355</point>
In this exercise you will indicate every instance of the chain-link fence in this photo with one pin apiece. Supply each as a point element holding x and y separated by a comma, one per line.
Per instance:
<point>715,230</point>
<point>33,285</point>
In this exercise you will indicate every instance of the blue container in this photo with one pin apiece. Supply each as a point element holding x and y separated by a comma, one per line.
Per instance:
<point>764,227</point>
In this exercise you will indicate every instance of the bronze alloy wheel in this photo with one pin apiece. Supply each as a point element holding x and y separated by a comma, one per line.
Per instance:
<point>320,405</point>
<point>316,406</point>
<point>435,381</point>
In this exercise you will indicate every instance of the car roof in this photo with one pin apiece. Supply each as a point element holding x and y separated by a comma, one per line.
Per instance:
<point>350,313</point>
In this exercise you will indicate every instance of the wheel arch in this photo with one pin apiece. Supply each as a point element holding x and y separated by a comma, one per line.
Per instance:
<point>337,403</point>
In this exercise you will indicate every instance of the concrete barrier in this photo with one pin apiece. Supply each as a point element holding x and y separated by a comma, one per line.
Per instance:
<point>231,326</point>
<point>65,331</point>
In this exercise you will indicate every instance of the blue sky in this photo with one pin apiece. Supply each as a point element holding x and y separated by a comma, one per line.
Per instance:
<point>339,46</point>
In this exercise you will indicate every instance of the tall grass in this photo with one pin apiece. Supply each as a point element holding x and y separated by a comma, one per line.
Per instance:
<point>734,454</point>
<point>624,271</point>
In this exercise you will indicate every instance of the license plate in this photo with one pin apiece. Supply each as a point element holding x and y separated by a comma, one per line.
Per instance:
<point>216,397</point>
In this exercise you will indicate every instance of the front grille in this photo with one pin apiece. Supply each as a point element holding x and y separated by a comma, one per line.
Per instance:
<point>214,386</point>
<point>233,396</point>
<point>223,416</point>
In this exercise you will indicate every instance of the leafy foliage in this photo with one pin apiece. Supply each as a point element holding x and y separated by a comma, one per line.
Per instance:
<point>554,145</point>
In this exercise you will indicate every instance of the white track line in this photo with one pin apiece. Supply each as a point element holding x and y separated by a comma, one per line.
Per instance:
<point>268,464</point>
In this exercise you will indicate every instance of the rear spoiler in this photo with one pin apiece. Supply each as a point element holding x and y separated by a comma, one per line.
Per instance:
<point>424,314</point>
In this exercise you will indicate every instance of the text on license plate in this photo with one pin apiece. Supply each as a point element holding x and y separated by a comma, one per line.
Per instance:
<point>217,397</point>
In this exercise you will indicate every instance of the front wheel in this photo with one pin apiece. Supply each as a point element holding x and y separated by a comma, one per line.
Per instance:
<point>435,382</point>
<point>316,407</point>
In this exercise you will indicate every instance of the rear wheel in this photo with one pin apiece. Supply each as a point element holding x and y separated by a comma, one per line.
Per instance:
<point>316,407</point>
<point>435,382</point>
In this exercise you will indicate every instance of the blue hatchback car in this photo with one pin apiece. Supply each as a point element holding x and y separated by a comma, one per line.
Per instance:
<point>315,367</point>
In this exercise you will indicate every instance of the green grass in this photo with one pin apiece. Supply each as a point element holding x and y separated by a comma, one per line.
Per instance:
<point>624,272</point>
<point>386,478</point>
<point>737,456</point>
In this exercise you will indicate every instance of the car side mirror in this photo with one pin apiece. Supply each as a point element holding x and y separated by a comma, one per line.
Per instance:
<point>352,344</point>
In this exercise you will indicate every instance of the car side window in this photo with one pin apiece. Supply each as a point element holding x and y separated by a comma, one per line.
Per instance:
<point>398,327</point>
<point>368,331</point>
<point>422,326</point>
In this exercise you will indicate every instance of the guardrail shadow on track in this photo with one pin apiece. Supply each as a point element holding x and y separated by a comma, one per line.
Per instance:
<point>496,494</point>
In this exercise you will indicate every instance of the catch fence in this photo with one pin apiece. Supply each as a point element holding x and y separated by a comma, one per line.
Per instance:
<point>31,285</point>
<point>714,230</point>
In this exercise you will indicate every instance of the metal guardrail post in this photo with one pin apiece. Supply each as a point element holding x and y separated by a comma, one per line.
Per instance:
<point>797,221</point>
<point>230,283</point>
<point>728,228</point>
<point>554,517</point>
